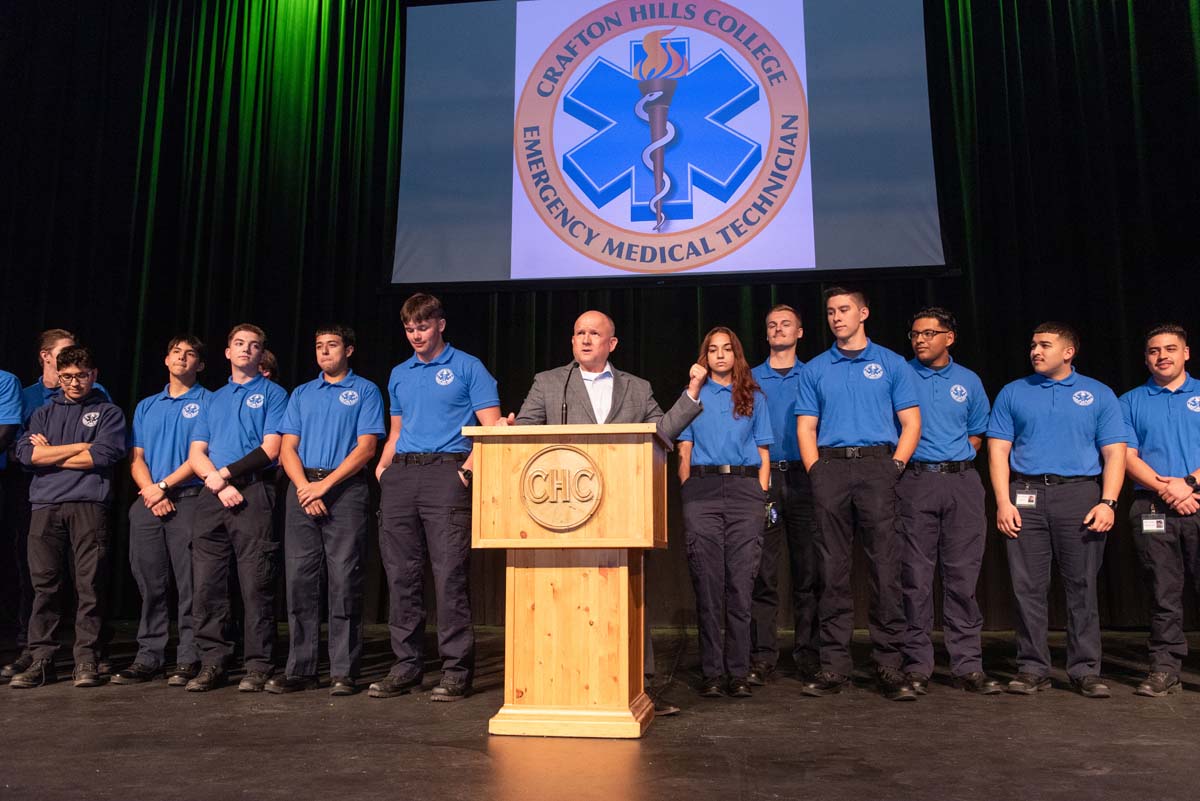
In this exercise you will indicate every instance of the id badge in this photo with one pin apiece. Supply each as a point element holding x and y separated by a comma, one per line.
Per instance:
<point>1026,500</point>
<point>1154,524</point>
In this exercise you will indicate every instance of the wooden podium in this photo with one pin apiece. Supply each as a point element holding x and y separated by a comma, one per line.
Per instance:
<point>575,506</point>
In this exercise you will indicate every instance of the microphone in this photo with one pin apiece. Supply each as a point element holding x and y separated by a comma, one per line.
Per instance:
<point>570,371</point>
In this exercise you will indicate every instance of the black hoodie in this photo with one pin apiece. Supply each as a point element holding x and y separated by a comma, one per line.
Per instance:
<point>94,419</point>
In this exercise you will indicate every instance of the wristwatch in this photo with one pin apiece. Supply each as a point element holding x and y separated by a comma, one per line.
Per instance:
<point>899,465</point>
<point>162,485</point>
<point>1110,503</point>
<point>1190,480</point>
<point>465,474</point>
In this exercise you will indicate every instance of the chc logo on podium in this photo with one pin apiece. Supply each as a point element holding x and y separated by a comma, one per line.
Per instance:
<point>561,487</point>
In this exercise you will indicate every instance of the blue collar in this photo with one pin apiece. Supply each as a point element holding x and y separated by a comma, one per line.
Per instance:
<point>717,387</point>
<point>765,370</point>
<point>442,358</point>
<point>931,372</point>
<point>253,383</point>
<point>192,392</point>
<point>1069,381</point>
<point>344,382</point>
<point>867,355</point>
<point>1188,385</point>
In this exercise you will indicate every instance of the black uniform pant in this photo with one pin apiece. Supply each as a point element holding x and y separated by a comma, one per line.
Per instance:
<point>858,495</point>
<point>243,533</point>
<point>16,518</point>
<point>426,511</point>
<point>1168,559</point>
<point>65,538</point>
<point>1054,531</point>
<point>336,542</point>
<point>723,527</point>
<point>942,521</point>
<point>160,549</point>
<point>792,494</point>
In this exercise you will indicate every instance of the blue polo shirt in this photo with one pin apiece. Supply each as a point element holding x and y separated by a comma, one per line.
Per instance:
<point>10,405</point>
<point>718,437</point>
<point>329,418</point>
<point>163,427</point>
<point>953,408</point>
<point>238,416</point>
<point>781,393</point>
<point>1164,426</point>
<point>856,400</point>
<point>436,399</point>
<point>1057,427</point>
<point>37,395</point>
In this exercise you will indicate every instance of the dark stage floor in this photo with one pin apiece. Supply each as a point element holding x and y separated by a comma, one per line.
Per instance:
<point>153,742</point>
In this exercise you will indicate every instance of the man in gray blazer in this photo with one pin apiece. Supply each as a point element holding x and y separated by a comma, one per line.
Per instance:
<point>591,390</point>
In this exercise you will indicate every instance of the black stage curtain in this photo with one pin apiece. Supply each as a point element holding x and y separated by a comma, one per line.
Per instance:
<point>173,166</point>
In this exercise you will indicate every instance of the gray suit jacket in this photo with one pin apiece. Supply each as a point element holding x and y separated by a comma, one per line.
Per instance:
<point>632,402</point>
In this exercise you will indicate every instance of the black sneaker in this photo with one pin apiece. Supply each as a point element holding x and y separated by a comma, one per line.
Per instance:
<point>40,672</point>
<point>712,687</point>
<point>210,677</point>
<point>450,689</point>
<point>1091,687</point>
<point>807,670</point>
<point>759,673</point>
<point>280,685</point>
<point>978,682</point>
<point>18,665</point>
<point>918,681</point>
<point>391,686</point>
<point>825,682</point>
<point>342,685</point>
<point>136,673</point>
<point>893,685</point>
<point>255,681</point>
<point>86,675</point>
<point>739,687</point>
<point>1028,684</point>
<point>183,673</point>
<point>1158,683</point>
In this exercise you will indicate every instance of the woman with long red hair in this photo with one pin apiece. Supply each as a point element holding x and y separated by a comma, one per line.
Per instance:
<point>724,471</point>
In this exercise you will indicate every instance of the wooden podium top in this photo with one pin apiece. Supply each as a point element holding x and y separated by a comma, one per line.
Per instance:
<point>572,486</point>
<point>567,431</point>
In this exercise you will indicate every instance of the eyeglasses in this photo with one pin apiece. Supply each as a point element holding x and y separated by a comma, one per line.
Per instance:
<point>73,378</point>
<point>926,335</point>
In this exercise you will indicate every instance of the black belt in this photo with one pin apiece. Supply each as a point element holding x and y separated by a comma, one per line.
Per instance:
<point>428,458</point>
<point>724,470</point>
<point>1049,479</point>
<point>320,474</point>
<point>783,467</point>
<point>941,467</point>
<point>855,452</point>
<point>184,492</point>
<point>246,480</point>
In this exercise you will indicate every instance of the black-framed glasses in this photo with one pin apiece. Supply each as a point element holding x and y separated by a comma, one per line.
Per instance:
<point>927,334</point>
<point>73,378</point>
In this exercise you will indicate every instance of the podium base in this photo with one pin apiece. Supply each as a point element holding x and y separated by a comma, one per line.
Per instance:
<point>565,721</point>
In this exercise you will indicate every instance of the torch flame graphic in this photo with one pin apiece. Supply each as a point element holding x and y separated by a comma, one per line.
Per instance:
<point>658,75</point>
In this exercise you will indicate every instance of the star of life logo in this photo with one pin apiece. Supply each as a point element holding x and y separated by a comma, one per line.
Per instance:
<point>444,377</point>
<point>958,393</point>
<point>90,419</point>
<point>255,401</point>
<point>190,410</point>
<point>873,371</point>
<point>1083,398</point>
<point>348,398</point>
<point>1193,403</point>
<point>660,137</point>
